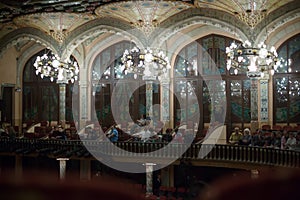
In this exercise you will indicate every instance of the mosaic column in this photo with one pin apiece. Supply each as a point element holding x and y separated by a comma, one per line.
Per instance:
<point>62,102</point>
<point>264,100</point>
<point>149,94</point>
<point>254,105</point>
<point>149,178</point>
<point>62,168</point>
<point>165,99</point>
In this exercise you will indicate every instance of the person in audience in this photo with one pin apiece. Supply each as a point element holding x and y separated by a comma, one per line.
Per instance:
<point>145,134</point>
<point>114,134</point>
<point>258,139</point>
<point>236,136</point>
<point>142,121</point>
<point>156,185</point>
<point>61,133</point>
<point>275,140</point>
<point>11,132</point>
<point>283,139</point>
<point>91,133</point>
<point>291,141</point>
<point>246,138</point>
<point>298,138</point>
<point>178,136</point>
<point>54,132</point>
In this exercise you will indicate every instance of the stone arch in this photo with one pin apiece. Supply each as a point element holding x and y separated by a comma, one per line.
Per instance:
<point>280,29</point>
<point>27,33</point>
<point>95,27</point>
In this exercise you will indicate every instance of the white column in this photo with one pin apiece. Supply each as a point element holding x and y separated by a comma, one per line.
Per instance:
<point>62,102</point>
<point>149,178</point>
<point>62,167</point>
<point>254,104</point>
<point>149,94</point>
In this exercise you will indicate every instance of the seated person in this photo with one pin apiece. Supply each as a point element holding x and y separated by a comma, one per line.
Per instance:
<point>61,134</point>
<point>178,136</point>
<point>246,138</point>
<point>258,139</point>
<point>145,134</point>
<point>114,134</point>
<point>291,141</point>
<point>142,121</point>
<point>236,136</point>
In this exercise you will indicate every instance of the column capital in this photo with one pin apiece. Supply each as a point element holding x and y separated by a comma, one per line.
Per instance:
<point>149,78</point>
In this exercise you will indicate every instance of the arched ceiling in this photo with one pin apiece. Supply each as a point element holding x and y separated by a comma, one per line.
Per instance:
<point>58,18</point>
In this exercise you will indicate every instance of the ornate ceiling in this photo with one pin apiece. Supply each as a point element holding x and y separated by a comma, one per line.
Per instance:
<point>59,17</point>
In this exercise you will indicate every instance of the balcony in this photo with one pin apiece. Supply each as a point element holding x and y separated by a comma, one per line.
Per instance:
<point>243,157</point>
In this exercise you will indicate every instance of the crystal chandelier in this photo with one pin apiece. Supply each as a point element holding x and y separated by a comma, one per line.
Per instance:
<point>50,66</point>
<point>145,63</point>
<point>254,60</point>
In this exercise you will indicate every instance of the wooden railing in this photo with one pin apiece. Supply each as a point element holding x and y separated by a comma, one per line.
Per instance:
<point>201,152</point>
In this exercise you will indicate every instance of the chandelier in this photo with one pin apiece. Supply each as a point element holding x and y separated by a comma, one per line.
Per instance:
<point>50,66</point>
<point>254,60</point>
<point>145,62</point>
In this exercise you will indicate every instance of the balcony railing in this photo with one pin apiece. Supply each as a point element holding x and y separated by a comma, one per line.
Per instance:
<point>201,152</point>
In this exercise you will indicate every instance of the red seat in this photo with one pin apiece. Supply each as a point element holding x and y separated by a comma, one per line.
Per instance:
<point>277,128</point>
<point>266,127</point>
<point>288,128</point>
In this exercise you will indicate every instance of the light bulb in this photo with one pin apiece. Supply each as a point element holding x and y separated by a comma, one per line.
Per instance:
<point>235,71</point>
<point>55,63</point>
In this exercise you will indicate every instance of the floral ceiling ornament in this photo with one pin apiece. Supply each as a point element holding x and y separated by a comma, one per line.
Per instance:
<point>144,15</point>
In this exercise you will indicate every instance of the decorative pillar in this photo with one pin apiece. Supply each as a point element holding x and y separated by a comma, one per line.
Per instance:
<point>83,105</point>
<point>254,97</point>
<point>149,178</point>
<point>264,99</point>
<point>165,99</point>
<point>149,94</point>
<point>85,170</point>
<point>62,168</point>
<point>62,102</point>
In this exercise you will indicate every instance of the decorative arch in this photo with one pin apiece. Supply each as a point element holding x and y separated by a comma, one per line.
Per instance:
<point>95,27</point>
<point>28,34</point>
<point>280,29</point>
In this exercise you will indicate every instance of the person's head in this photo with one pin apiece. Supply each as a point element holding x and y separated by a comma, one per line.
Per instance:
<point>291,135</point>
<point>60,129</point>
<point>246,131</point>
<point>278,134</point>
<point>236,129</point>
